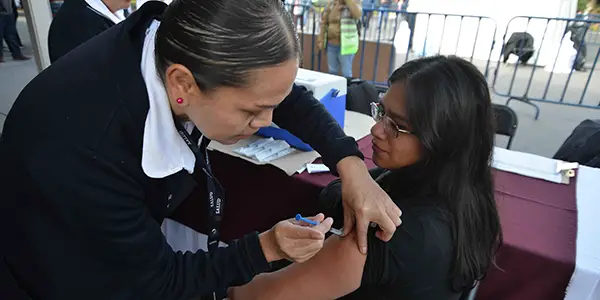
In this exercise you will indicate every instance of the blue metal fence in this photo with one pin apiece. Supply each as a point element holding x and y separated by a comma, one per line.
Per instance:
<point>379,27</point>
<point>565,57</point>
<point>475,39</point>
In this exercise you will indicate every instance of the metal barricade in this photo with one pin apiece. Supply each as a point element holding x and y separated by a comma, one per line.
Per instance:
<point>467,36</point>
<point>383,48</point>
<point>558,47</point>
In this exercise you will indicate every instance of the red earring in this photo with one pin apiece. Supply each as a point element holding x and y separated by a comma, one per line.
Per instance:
<point>179,100</point>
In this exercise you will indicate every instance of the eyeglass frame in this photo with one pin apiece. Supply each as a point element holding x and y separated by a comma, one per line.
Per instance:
<point>378,114</point>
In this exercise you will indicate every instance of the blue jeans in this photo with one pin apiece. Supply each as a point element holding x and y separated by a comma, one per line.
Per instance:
<point>338,62</point>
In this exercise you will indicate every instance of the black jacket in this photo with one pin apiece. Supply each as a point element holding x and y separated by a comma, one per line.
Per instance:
<point>80,219</point>
<point>74,24</point>
<point>520,44</point>
<point>583,145</point>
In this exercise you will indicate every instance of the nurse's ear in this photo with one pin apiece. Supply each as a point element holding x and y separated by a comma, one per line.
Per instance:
<point>180,84</point>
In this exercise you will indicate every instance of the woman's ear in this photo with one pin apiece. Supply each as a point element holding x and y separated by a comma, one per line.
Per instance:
<point>180,82</point>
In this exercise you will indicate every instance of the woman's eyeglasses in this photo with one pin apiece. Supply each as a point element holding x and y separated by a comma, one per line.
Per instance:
<point>390,127</point>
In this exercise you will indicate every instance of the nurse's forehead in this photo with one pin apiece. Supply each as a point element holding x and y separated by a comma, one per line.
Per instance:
<point>273,83</point>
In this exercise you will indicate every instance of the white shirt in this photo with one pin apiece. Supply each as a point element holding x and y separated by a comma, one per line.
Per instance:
<point>164,152</point>
<point>100,8</point>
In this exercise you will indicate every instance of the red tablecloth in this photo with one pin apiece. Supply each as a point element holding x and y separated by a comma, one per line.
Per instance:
<point>538,219</point>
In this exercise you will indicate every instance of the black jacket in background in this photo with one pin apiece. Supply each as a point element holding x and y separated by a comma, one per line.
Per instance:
<point>583,145</point>
<point>79,218</point>
<point>520,44</point>
<point>74,24</point>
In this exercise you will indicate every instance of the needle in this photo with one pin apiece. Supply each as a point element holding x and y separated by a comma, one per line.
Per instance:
<point>314,223</point>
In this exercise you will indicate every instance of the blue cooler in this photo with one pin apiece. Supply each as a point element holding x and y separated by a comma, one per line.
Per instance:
<point>329,89</point>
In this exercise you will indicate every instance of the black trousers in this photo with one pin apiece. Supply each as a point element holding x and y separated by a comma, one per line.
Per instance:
<point>8,33</point>
<point>16,14</point>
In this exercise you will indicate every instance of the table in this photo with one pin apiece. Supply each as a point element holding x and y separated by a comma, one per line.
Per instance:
<point>539,220</point>
<point>539,223</point>
<point>256,197</point>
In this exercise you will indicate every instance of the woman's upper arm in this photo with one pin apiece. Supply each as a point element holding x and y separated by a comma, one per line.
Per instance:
<point>335,271</point>
<point>339,268</point>
<point>325,16</point>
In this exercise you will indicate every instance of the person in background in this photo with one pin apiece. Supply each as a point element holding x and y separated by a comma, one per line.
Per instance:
<point>8,31</point>
<point>330,35</point>
<point>307,4</point>
<point>433,144</point>
<point>79,20</point>
<point>404,5</point>
<point>298,10</point>
<point>410,18</point>
<point>16,14</point>
<point>383,15</point>
<point>370,5</point>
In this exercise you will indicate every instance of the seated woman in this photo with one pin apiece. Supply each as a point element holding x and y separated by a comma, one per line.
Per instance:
<point>433,142</point>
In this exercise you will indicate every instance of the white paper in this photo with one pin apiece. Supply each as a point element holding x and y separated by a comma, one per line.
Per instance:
<point>356,125</point>
<point>316,168</point>
<point>279,154</point>
<point>271,150</point>
<point>529,165</point>
<point>250,149</point>
<point>289,163</point>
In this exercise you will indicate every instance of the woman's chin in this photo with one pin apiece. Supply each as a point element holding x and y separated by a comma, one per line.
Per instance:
<point>233,140</point>
<point>376,163</point>
<point>230,141</point>
<point>378,160</point>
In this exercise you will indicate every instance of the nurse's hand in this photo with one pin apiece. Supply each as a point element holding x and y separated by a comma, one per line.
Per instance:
<point>293,240</point>
<point>365,202</point>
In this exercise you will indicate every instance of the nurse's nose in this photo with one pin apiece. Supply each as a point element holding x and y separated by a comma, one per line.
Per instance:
<point>264,119</point>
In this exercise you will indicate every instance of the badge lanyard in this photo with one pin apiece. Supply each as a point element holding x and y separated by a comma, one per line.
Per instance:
<point>214,188</point>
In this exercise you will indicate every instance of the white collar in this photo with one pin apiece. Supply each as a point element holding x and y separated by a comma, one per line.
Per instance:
<point>100,8</point>
<point>164,152</point>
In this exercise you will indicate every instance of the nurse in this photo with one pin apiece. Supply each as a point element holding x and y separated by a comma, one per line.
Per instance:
<point>105,144</point>
<point>80,20</point>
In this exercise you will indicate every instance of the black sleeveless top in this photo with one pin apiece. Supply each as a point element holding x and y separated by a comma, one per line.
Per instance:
<point>415,264</point>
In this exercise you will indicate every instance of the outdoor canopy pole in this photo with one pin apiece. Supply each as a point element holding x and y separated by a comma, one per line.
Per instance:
<point>39,17</point>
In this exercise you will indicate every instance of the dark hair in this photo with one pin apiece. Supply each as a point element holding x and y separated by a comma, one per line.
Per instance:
<point>449,109</point>
<point>220,41</point>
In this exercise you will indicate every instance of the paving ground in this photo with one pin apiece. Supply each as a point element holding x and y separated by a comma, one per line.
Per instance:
<point>542,137</point>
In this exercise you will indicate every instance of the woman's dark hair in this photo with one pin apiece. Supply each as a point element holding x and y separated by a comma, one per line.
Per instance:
<point>449,109</point>
<point>220,41</point>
